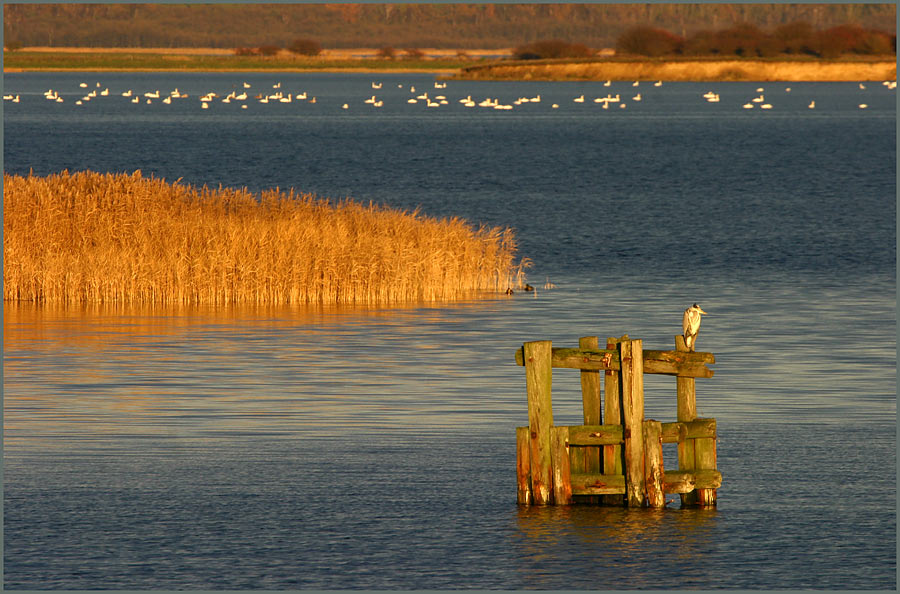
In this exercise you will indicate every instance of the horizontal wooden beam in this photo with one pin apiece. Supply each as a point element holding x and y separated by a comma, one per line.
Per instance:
<point>685,481</point>
<point>598,484</point>
<point>595,435</point>
<point>684,364</point>
<point>676,432</point>
<point>599,435</point>
<point>674,481</point>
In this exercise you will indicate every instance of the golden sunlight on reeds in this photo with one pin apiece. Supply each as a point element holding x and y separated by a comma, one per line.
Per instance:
<point>90,237</point>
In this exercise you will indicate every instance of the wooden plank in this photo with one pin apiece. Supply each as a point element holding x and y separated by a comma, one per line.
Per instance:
<point>562,486</point>
<point>586,359</point>
<point>676,432</point>
<point>592,404</point>
<point>633,413</point>
<point>678,357</point>
<point>598,484</point>
<point>539,380</point>
<point>523,467</point>
<point>612,412</point>
<point>653,464</point>
<point>595,435</point>
<point>687,364</point>
<point>686,481</point>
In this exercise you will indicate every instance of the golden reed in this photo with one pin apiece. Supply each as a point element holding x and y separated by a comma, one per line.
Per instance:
<point>89,237</point>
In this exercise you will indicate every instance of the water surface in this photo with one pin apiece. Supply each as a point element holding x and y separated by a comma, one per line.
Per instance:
<point>345,448</point>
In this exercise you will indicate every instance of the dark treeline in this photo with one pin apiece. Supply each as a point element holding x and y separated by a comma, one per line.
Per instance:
<point>402,25</point>
<point>749,41</point>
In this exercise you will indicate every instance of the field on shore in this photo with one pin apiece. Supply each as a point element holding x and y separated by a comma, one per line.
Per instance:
<point>476,64</point>
<point>443,61</point>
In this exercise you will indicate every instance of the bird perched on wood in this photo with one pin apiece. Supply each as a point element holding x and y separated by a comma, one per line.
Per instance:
<point>691,325</point>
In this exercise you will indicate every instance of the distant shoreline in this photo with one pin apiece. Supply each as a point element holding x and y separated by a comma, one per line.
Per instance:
<point>478,64</point>
<point>686,70</point>
<point>75,59</point>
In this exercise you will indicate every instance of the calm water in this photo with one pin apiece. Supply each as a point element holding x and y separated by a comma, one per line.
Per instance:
<point>283,448</point>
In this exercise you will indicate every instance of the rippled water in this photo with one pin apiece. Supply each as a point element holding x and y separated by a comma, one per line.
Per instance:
<point>279,448</point>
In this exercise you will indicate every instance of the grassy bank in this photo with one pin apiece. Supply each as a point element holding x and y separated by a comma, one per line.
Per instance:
<point>686,70</point>
<point>96,238</point>
<point>124,60</point>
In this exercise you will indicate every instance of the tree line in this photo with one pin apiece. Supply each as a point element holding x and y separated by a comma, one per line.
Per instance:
<point>463,26</point>
<point>747,40</point>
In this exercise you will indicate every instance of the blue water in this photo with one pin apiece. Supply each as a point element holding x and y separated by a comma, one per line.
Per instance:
<point>283,448</point>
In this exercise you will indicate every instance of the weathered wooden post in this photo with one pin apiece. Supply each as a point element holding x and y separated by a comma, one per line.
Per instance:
<point>632,378</point>
<point>587,459</point>
<point>523,466</point>
<point>612,411</point>
<point>687,450</point>
<point>705,459</point>
<point>653,463</point>
<point>686,412</point>
<point>539,380</point>
<point>562,474</point>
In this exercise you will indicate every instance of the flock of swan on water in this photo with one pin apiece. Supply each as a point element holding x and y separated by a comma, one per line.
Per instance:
<point>276,95</point>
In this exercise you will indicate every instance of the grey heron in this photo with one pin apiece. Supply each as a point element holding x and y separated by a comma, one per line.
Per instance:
<point>690,323</point>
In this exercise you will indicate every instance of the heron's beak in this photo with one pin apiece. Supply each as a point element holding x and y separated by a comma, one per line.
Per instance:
<point>703,312</point>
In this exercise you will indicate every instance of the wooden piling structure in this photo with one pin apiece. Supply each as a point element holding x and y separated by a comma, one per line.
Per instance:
<point>621,460</point>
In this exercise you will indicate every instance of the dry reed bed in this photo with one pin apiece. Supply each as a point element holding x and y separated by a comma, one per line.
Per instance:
<point>90,237</point>
<point>687,70</point>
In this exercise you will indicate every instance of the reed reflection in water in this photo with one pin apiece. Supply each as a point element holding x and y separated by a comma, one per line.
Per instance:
<point>98,372</point>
